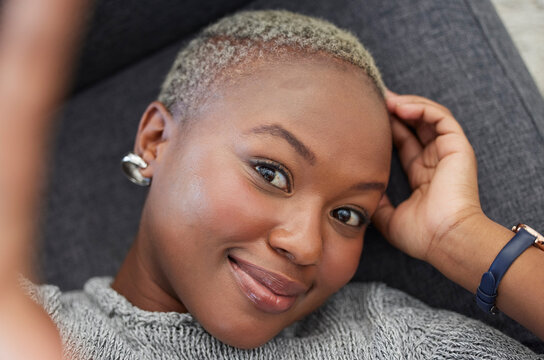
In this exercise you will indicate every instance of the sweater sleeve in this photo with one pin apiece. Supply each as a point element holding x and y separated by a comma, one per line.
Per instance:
<point>430,333</point>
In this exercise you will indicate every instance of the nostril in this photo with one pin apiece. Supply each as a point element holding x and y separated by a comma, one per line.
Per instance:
<point>286,253</point>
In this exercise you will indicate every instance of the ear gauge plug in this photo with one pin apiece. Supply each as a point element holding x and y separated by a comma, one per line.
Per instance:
<point>131,164</point>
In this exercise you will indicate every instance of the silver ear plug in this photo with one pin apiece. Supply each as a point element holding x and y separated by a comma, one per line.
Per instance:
<point>131,165</point>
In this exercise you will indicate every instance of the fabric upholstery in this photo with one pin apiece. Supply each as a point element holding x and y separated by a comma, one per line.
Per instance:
<point>121,32</point>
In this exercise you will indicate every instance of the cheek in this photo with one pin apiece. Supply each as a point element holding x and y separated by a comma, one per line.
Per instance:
<point>225,204</point>
<point>340,261</point>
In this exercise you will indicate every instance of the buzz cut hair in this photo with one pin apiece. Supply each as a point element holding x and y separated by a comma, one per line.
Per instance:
<point>223,50</point>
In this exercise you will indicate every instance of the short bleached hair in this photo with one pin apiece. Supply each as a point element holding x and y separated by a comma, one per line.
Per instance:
<point>220,50</point>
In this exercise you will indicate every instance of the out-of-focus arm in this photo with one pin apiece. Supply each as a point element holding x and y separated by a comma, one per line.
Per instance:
<point>37,43</point>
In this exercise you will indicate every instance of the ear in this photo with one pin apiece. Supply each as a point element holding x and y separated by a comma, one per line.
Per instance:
<point>156,129</point>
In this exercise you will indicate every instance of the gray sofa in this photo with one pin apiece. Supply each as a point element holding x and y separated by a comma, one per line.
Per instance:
<point>456,52</point>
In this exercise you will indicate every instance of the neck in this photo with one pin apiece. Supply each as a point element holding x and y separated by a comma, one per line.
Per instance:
<point>137,282</point>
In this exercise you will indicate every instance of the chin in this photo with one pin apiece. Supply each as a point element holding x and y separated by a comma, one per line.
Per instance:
<point>243,340</point>
<point>240,334</point>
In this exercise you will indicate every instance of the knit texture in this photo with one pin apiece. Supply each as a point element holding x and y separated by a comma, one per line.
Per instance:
<point>361,321</point>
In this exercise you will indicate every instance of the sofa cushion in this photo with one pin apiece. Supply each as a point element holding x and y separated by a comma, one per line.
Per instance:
<point>123,32</point>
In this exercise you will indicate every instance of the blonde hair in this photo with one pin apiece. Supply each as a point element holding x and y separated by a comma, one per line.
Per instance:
<point>252,35</point>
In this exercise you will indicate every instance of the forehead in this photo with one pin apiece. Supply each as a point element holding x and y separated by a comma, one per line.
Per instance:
<point>332,107</point>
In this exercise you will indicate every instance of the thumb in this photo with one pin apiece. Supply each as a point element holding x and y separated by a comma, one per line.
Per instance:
<point>382,216</point>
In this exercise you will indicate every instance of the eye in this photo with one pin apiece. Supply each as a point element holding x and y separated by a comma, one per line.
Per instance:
<point>274,173</point>
<point>349,217</point>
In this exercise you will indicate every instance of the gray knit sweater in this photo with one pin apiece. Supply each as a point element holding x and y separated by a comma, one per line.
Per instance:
<point>361,321</point>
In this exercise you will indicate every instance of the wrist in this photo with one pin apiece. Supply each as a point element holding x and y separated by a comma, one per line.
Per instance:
<point>467,250</point>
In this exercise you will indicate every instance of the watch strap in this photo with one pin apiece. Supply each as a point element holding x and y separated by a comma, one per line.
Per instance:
<point>487,291</point>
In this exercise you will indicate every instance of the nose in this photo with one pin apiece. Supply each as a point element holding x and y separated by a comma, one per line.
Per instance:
<point>299,238</point>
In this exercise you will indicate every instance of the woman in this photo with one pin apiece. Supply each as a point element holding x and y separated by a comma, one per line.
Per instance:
<point>268,152</point>
<point>303,217</point>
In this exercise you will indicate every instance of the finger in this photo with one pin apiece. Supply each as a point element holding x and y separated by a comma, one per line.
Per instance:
<point>390,94</point>
<point>441,128</point>
<point>417,114</point>
<point>408,146</point>
<point>382,216</point>
<point>425,133</point>
<point>394,99</point>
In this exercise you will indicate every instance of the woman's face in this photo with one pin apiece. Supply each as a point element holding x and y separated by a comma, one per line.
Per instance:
<point>257,216</point>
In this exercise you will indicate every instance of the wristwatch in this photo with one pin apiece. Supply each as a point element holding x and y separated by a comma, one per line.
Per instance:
<point>539,238</point>
<point>487,291</point>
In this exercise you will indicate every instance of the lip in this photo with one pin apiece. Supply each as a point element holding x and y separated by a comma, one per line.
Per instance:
<point>267,290</point>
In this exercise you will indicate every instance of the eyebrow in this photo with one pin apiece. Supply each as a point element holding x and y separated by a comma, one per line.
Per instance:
<point>306,153</point>
<point>279,131</point>
<point>369,186</point>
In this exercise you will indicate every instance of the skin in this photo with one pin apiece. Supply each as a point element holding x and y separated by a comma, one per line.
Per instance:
<point>37,43</point>
<point>449,229</point>
<point>207,200</point>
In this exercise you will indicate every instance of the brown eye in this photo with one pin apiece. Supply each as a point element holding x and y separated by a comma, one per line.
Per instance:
<point>349,216</point>
<point>267,173</point>
<point>274,175</point>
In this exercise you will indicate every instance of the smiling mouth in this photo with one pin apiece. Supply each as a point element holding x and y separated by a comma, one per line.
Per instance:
<point>267,290</point>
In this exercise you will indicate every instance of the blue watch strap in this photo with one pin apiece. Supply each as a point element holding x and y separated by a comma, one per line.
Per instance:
<point>487,291</point>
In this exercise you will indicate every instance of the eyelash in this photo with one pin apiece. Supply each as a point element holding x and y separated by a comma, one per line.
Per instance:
<point>363,218</point>
<point>272,165</point>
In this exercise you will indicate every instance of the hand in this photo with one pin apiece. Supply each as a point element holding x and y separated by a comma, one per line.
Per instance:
<point>441,168</point>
